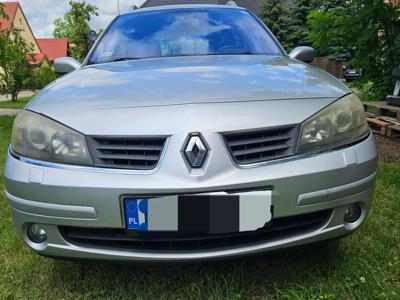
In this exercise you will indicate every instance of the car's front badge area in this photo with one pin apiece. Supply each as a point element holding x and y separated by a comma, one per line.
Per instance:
<point>196,151</point>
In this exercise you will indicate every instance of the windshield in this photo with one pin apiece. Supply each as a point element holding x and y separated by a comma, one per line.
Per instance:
<point>184,32</point>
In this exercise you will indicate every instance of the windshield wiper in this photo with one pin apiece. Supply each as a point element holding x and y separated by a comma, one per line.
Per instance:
<point>183,55</point>
<point>235,53</point>
<point>125,58</point>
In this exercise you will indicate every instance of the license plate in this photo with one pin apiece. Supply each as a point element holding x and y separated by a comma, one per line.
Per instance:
<point>199,214</point>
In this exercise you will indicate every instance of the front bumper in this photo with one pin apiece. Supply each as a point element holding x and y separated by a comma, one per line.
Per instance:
<point>56,196</point>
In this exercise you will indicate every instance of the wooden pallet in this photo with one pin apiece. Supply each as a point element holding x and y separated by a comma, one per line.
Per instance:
<point>383,109</point>
<point>378,126</point>
<point>393,131</point>
<point>386,126</point>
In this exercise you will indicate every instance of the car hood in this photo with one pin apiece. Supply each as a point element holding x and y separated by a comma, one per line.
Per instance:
<point>187,94</point>
<point>185,80</point>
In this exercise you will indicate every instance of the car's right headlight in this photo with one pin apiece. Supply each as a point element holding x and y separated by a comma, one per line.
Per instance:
<point>339,124</point>
<point>37,137</point>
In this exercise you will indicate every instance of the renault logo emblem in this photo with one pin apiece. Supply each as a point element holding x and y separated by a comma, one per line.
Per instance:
<point>196,151</point>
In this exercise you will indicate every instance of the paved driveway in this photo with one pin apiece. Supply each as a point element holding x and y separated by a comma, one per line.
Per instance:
<point>9,112</point>
<point>21,95</point>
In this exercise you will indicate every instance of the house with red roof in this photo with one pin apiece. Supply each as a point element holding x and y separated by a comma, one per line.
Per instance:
<point>53,48</point>
<point>17,19</point>
<point>44,50</point>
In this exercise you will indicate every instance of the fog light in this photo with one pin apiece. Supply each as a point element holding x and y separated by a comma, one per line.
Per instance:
<point>353,213</point>
<point>36,233</point>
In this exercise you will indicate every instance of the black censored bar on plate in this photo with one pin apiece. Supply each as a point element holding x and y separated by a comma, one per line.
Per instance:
<point>208,214</point>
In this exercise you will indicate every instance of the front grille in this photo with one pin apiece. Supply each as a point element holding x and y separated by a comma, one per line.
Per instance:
<point>175,242</point>
<point>126,153</point>
<point>262,145</point>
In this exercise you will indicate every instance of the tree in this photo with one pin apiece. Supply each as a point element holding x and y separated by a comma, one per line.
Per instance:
<point>299,30</point>
<point>327,32</point>
<point>16,70</point>
<point>75,26</point>
<point>327,5</point>
<point>368,30</point>
<point>276,15</point>
<point>45,75</point>
<point>2,12</point>
<point>288,21</point>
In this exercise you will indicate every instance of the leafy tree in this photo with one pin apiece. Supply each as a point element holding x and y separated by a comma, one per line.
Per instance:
<point>288,20</point>
<point>368,31</point>
<point>44,76</point>
<point>2,12</point>
<point>276,15</point>
<point>16,70</point>
<point>327,34</point>
<point>327,5</point>
<point>299,30</point>
<point>75,26</point>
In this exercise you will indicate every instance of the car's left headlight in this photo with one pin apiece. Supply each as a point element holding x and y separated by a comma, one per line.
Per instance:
<point>40,138</point>
<point>339,124</point>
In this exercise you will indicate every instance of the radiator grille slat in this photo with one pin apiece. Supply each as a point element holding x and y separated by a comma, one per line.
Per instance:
<point>261,149</point>
<point>134,153</point>
<point>128,157</point>
<point>241,142</point>
<point>132,147</point>
<point>262,145</point>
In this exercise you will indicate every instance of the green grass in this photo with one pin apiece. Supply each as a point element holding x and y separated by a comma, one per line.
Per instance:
<point>20,103</point>
<point>365,265</point>
<point>362,90</point>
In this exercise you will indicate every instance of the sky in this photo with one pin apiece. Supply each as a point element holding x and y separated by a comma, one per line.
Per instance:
<point>42,13</point>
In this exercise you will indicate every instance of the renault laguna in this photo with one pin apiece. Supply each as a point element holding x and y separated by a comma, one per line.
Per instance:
<point>188,134</point>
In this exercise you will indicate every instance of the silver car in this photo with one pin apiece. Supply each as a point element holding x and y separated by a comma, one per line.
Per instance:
<point>188,134</point>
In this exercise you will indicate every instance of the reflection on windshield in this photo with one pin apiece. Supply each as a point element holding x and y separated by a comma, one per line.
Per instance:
<point>182,32</point>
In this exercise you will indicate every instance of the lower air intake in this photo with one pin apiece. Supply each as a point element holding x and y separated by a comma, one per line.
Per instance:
<point>174,242</point>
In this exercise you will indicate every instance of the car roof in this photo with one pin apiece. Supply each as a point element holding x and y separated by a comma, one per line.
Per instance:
<point>183,6</point>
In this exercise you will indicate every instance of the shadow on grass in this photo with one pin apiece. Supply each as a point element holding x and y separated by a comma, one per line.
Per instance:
<point>253,275</point>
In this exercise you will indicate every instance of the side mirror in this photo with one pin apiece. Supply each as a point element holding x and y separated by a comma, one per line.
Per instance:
<point>92,36</point>
<point>65,65</point>
<point>303,53</point>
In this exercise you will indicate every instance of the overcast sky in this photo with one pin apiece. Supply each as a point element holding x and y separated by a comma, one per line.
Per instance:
<point>42,13</point>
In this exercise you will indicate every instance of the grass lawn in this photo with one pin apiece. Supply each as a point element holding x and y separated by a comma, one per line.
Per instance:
<point>365,265</point>
<point>20,103</point>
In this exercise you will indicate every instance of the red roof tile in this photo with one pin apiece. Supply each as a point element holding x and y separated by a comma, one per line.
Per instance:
<point>10,8</point>
<point>53,48</point>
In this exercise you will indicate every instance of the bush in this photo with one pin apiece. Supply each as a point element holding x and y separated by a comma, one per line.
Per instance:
<point>45,75</point>
<point>41,77</point>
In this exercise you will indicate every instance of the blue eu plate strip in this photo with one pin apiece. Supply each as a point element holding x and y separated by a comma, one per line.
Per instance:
<point>136,213</point>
